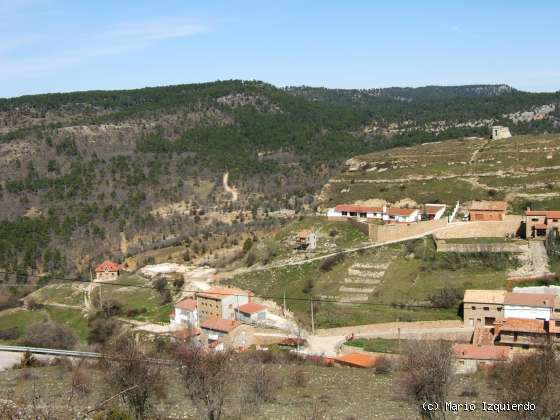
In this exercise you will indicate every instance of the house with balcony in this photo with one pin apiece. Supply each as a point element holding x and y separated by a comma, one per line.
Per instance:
<point>539,223</point>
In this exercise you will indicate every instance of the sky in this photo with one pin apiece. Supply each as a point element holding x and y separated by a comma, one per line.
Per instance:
<point>68,45</point>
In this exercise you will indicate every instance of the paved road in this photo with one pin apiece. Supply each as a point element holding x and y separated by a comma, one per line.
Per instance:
<point>328,341</point>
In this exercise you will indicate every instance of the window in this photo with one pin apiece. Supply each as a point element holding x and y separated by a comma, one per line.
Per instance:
<point>555,220</point>
<point>353,214</point>
<point>345,213</point>
<point>473,308</point>
<point>535,219</point>
<point>557,323</point>
<point>486,308</point>
<point>363,214</point>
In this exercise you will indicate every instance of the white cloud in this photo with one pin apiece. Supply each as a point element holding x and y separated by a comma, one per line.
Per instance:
<point>120,39</point>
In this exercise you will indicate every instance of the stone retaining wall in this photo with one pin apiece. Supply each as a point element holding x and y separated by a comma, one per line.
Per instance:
<point>396,231</point>
<point>443,246</point>
<point>491,229</point>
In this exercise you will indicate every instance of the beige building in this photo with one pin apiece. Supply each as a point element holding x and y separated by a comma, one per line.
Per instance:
<point>538,223</point>
<point>107,271</point>
<point>470,358</point>
<point>483,307</point>
<point>220,302</point>
<point>500,132</point>
<point>484,211</point>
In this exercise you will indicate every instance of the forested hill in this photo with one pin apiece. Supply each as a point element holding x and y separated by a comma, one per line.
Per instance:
<point>110,173</point>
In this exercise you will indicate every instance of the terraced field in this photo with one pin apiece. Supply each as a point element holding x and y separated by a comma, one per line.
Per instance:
<point>524,170</point>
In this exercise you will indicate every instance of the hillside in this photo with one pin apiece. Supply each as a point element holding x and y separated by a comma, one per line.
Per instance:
<point>522,170</point>
<point>87,175</point>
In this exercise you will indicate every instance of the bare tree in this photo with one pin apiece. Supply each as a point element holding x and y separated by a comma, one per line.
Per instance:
<point>129,369</point>
<point>206,377</point>
<point>426,375</point>
<point>532,378</point>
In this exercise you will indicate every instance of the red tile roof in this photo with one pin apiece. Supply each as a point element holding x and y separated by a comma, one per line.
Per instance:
<point>554,214</point>
<point>252,308</point>
<point>433,208</point>
<point>358,208</point>
<point>470,351</point>
<point>107,266</point>
<point>357,360</point>
<point>521,325</point>
<point>540,225</point>
<point>219,324</point>
<point>488,205</point>
<point>539,300</point>
<point>218,292</point>
<point>395,211</point>
<point>186,304</point>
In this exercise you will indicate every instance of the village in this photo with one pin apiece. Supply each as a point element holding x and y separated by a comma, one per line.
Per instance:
<point>497,326</point>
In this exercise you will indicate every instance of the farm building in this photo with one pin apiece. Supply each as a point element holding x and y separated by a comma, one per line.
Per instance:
<point>107,270</point>
<point>483,211</point>
<point>539,223</point>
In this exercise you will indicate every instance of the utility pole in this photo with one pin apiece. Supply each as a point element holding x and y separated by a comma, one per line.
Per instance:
<point>312,318</point>
<point>398,336</point>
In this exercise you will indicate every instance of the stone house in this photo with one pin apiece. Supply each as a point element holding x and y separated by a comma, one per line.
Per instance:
<point>470,358</point>
<point>107,271</point>
<point>483,307</point>
<point>480,211</point>
<point>220,302</point>
<point>538,223</point>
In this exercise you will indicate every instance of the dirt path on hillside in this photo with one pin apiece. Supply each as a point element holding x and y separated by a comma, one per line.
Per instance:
<point>230,189</point>
<point>534,261</point>
<point>229,274</point>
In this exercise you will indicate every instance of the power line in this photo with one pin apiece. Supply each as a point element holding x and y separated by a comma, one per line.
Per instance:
<point>279,298</point>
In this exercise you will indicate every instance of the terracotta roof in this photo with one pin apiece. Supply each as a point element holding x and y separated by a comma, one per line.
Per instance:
<point>433,208</point>
<point>357,360</point>
<point>488,205</point>
<point>395,211</point>
<point>186,304</point>
<point>470,351</point>
<point>358,208</point>
<point>107,266</point>
<point>540,225</point>
<point>305,233</point>
<point>484,296</point>
<point>218,292</point>
<point>554,214</point>
<point>521,325</point>
<point>539,300</point>
<point>219,324</point>
<point>252,308</point>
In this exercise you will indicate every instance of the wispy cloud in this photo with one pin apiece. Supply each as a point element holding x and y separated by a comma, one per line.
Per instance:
<point>155,30</point>
<point>122,38</point>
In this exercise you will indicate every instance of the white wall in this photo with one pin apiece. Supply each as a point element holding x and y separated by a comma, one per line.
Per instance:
<point>229,303</point>
<point>186,317</point>
<point>526,312</point>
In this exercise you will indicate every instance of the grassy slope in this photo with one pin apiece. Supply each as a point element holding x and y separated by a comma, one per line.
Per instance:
<point>405,282</point>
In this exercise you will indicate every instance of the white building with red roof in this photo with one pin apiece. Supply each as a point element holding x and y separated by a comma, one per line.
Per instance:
<point>251,313</point>
<point>185,313</point>
<point>107,271</point>
<point>385,213</point>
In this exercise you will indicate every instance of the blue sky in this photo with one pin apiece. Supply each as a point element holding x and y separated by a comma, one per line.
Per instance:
<point>64,45</point>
